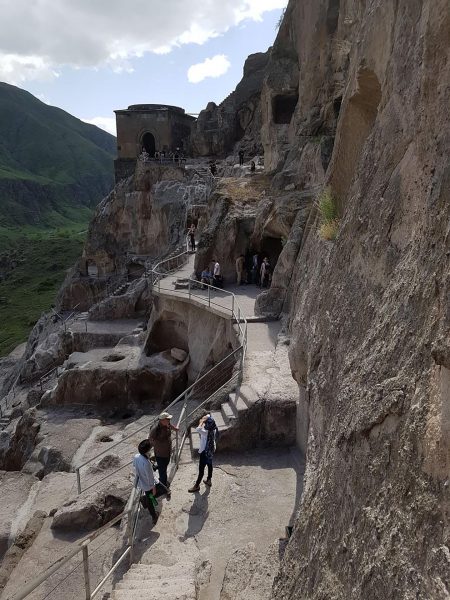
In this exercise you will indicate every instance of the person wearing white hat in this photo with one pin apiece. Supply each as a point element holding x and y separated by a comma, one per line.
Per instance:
<point>161,438</point>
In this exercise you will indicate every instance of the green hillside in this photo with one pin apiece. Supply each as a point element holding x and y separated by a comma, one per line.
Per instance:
<point>52,165</point>
<point>54,169</point>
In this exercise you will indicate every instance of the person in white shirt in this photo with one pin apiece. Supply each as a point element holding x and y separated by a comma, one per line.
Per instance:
<point>145,478</point>
<point>207,429</point>
<point>217,278</point>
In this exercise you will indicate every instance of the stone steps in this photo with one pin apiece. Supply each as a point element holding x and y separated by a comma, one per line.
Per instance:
<point>228,416</point>
<point>155,581</point>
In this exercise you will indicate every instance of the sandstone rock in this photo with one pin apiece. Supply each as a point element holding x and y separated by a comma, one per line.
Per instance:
<point>119,377</point>
<point>106,463</point>
<point>143,216</point>
<point>51,352</point>
<point>61,434</point>
<point>133,302</point>
<point>23,541</point>
<point>92,510</point>
<point>366,310</point>
<point>15,487</point>
<point>236,119</point>
<point>17,441</point>
<point>250,572</point>
<point>178,354</point>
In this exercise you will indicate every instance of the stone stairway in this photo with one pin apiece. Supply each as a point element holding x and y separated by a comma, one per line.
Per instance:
<point>155,581</point>
<point>227,418</point>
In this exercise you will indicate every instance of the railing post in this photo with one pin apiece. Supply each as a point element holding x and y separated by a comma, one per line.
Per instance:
<point>87,583</point>
<point>232,305</point>
<point>78,481</point>
<point>189,288</point>
<point>209,296</point>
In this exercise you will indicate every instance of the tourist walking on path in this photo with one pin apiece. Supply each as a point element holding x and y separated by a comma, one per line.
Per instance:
<point>240,269</point>
<point>207,429</point>
<point>265,273</point>
<point>161,439</point>
<point>191,234</point>
<point>145,479</point>
<point>241,157</point>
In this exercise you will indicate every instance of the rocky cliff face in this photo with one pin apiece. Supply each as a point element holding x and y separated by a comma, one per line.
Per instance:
<point>143,218</point>
<point>369,312</point>
<point>236,119</point>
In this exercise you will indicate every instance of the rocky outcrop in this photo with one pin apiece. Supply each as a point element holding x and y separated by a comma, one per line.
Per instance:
<point>119,377</point>
<point>92,510</point>
<point>15,488</point>
<point>368,311</point>
<point>142,219</point>
<point>21,544</point>
<point>236,119</point>
<point>250,572</point>
<point>17,442</point>
<point>136,300</point>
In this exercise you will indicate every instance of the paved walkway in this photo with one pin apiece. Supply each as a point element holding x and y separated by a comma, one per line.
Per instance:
<point>261,336</point>
<point>259,486</point>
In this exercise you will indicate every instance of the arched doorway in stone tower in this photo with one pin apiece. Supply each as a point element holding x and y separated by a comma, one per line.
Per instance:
<point>148,143</point>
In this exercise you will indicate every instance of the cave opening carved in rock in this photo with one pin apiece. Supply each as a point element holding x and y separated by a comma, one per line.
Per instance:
<point>358,118</point>
<point>271,248</point>
<point>168,332</point>
<point>135,270</point>
<point>283,108</point>
<point>91,268</point>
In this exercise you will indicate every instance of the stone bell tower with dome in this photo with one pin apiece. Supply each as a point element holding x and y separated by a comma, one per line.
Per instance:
<point>150,127</point>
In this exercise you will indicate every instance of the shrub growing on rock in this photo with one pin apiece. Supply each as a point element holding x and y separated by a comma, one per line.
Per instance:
<point>329,221</point>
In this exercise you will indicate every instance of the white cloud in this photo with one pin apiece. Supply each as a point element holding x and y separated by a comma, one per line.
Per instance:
<point>38,38</point>
<point>106,123</point>
<point>211,67</point>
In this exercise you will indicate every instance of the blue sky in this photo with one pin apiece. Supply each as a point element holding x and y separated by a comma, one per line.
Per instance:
<point>89,74</point>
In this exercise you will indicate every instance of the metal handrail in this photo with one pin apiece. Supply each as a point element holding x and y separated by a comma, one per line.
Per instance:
<point>82,546</point>
<point>157,275</point>
<point>186,394</point>
<point>132,508</point>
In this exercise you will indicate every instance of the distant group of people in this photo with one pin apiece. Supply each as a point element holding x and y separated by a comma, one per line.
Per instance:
<point>163,155</point>
<point>212,275</point>
<point>254,269</point>
<point>160,440</point>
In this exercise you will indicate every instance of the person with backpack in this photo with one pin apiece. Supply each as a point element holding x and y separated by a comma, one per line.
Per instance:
<point>145,478</point>
<point>207,429</point>
<point>241,157</point>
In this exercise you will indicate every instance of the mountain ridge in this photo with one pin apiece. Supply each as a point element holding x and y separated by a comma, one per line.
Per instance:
<point>51,163</point>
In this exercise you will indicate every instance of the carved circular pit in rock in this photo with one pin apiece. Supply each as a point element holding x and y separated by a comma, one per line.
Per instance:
<point>113,357</point>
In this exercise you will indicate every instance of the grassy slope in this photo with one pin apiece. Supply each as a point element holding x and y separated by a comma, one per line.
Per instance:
<point>31,288</point>
<point>53,170</point>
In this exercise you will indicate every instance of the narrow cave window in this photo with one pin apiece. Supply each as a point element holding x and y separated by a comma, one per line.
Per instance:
<point>91,268</point>
<point>337,106</point>
<point>283,109</point>
<point>333,16</point>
